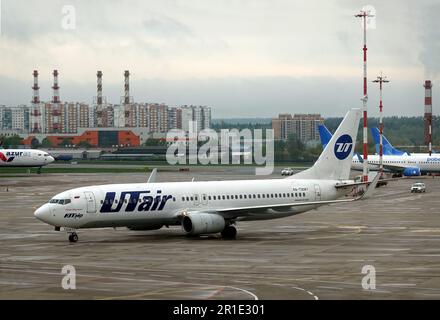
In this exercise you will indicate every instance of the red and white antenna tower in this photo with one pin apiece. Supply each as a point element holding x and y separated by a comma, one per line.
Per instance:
<point>364,15</point>
<point>381,79</point>
<point>35,113</point>
<point>428,115</point>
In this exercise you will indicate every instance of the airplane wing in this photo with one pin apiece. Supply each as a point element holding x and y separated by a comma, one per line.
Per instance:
<point>394,167</point>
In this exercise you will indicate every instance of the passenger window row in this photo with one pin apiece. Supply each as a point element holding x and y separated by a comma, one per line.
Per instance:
<point>247,196</point>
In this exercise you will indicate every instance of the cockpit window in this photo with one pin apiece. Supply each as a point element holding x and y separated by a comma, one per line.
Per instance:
<point>60,201</point>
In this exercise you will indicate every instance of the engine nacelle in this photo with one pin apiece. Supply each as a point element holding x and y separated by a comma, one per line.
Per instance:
<point>203,223</point>
<point>411,172</point>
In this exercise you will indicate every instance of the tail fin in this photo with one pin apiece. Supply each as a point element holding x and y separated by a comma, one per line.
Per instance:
<point>387,148</point>
<point>324,134</point>
<point>334,163</point>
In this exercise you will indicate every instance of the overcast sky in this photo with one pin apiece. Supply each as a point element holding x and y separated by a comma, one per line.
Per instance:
<point>244,58</point>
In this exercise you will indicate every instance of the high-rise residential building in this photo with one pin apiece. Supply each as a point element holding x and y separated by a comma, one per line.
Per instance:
<point>143,115</point>
<point>14,118</point>
<point>199,115</point>
<point>303,126</point>
<point>130,114</point>
<point>175,118</point>
<point>20,118</point>
<point>5,115</point>
<point>76,116</point>
<point>157,117</point>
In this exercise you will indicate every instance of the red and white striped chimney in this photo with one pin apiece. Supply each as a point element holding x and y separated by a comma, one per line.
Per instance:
<point>99,88</point>
<point>428,115</point>
<point>35,116</point>
<point>36,88</point>
<point>126,87</point>
<point>56,88</point>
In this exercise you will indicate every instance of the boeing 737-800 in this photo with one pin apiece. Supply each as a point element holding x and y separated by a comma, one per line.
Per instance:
<point>414,164</point>
<point>24,158</point>
<point>213,206</point>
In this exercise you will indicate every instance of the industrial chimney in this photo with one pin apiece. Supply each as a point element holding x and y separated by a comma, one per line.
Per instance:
<point>126,87</point>
<point>35,123</point>
<point>56,127</point>
<point>428,115</point>
<point>99,89</point>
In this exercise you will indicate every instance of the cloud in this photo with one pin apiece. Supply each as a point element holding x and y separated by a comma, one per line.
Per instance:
<point>165,26</point>
<point>238,56</point>
<point>430,40</point>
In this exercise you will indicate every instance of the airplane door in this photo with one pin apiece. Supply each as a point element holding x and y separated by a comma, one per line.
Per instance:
<point>91,203</point>
<point>317,192</point>
<point>196,199</point>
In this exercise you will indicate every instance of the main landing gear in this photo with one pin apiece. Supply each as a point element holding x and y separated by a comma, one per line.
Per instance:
<point>73,237</point>
<point>229,232</point>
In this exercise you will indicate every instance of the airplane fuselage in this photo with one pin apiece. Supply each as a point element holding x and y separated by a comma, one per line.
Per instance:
<point>157,204</point>
<point>24,158</point>
<point>425,163</point>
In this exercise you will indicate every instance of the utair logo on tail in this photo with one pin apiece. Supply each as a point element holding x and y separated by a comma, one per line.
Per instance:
<point>4,158</point>
<point>343,146</point>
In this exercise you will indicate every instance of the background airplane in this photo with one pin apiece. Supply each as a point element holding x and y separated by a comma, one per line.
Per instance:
<point>405,164</point>
<point>387,147</point>
<point>210,207</point>
<point>24,158</point>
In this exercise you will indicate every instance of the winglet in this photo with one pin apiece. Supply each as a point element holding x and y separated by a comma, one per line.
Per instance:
<point>152,177</point>
<point>370,189</point>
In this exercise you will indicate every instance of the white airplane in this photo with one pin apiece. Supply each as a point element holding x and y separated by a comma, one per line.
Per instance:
<point>414,164</point>
<point>388,148</point>
<point>24,158</point>
<point>407,165</point>
<point>210,207</point>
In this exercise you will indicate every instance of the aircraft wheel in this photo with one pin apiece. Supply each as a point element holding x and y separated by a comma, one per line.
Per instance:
<point>73,237</point>
<point>229,232</point>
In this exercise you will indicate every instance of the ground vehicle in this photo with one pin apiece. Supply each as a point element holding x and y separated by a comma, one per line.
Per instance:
<point>418,187</point>
<point>287,172</point>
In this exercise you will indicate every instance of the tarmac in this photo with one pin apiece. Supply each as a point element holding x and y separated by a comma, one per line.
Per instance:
<point>320,254</point>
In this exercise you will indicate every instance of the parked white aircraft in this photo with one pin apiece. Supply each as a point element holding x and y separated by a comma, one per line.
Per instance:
<point>213,206</point>
<point>407,165</point>
<point>24,158</point>
<point>414,164</point>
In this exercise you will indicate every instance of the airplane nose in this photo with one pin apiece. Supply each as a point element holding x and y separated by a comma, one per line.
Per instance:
<point>51,159</point>
<point>42,213</point>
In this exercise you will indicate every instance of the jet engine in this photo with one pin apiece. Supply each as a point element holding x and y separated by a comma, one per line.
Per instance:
<point>411,172</point>
<point>203,223</point>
